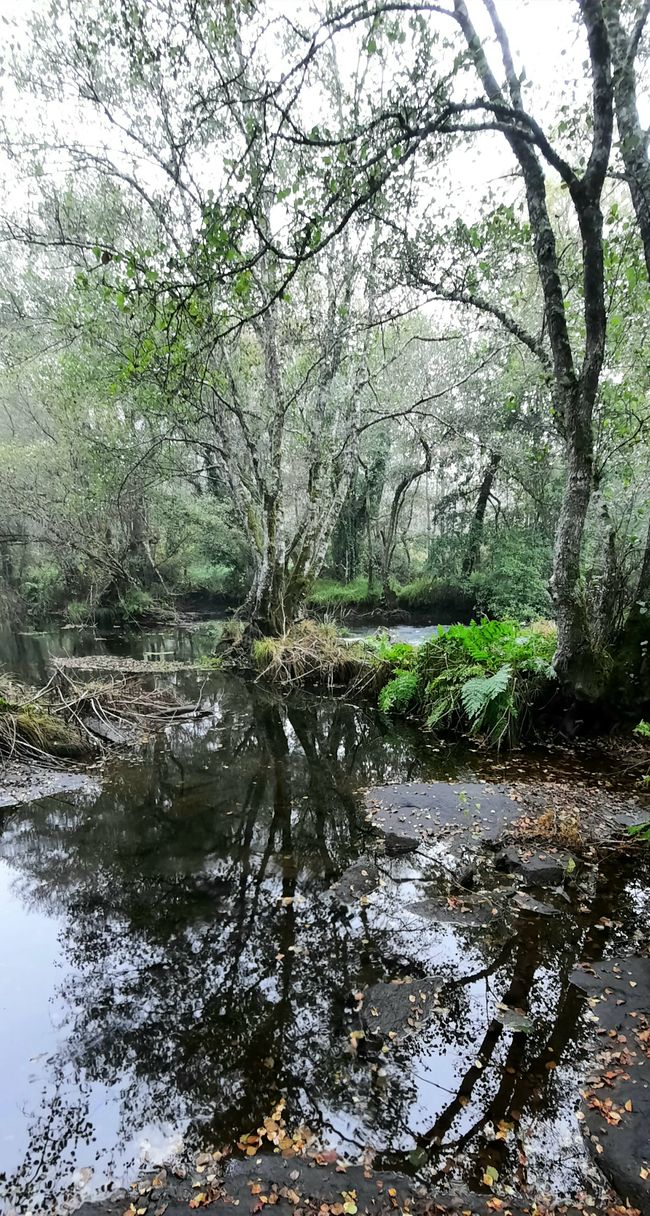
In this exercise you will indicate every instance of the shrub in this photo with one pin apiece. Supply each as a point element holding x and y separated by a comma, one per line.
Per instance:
<point>78,612</point>
<point>208,578</point>
<point>136,604</point>
<point>44,590</point>
<point>516,584</point>
<point>486,678</point>
<point>399,694</point>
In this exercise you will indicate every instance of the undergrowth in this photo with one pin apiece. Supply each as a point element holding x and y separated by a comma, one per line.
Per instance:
<point>479,679</point>
<point>642,830</point>
<point>443,598</point>
<point>327,593</point>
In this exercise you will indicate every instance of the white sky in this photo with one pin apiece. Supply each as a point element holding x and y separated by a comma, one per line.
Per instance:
<point>546,42</point>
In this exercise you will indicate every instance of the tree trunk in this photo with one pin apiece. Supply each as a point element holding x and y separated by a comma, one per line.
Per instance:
<point>575,389</point>
<point>476,526</point>
<point>389,534</point>
<point>633,139</point>
<point>574,661</point>
<point>632,672</point>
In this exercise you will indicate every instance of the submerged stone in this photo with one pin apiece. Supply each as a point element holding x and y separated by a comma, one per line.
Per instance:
<point>525,903</point>
<point>540,869</point>
<point>358,880</point>
<point>399,1007</point>
<point>480,911</point>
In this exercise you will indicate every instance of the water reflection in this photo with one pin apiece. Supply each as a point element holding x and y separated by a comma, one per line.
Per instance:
<point>187,966</point>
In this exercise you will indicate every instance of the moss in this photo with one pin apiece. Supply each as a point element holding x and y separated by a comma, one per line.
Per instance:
<point>49,732</point>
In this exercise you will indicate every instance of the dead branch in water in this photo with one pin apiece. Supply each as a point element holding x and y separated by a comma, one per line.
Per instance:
<point>66,720</point>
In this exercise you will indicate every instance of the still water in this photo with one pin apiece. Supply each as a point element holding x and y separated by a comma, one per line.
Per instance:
<point>171,962</point>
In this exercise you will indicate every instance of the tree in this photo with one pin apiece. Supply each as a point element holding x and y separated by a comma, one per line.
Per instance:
<point>243,246</point>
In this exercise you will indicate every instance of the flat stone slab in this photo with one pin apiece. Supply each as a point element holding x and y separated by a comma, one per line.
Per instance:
<point>20,784</point>
<point>400,1007</point>
<point>300,1185</point>
<point>414,814</point>
<point>617,1095</point>
<point>545,868</point>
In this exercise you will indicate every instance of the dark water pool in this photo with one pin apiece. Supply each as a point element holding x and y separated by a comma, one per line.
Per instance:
<point>171,964</point>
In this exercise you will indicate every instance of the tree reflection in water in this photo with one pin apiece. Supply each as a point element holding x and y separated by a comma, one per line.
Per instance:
<point>208,973</point>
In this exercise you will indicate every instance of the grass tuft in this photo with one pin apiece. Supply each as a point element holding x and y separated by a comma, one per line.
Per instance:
<point>313,653</point>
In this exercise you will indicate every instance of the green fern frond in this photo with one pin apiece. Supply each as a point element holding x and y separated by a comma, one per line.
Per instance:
<point>479,692</point>
<point>400,692</point>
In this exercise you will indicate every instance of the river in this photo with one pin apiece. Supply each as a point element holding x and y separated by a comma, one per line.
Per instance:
<point>172,962</point>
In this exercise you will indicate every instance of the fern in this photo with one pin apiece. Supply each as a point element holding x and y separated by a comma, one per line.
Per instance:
<point>485,677</point>
<point>642,830</point>
<point>401,654</point>
<point>479,692</point>
<point>400,692</point>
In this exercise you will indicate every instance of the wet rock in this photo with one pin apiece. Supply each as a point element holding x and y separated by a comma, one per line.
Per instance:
<point>542,869</point>
<point>314,1185</point>
<point>617,1095</point>
<point>376,1191</point>
<point>525,903</point>
<point>400,1007</point>
<point>22,783</point>
<point>414,814</point>
<point>358,880</point>
<point>303,1185</point>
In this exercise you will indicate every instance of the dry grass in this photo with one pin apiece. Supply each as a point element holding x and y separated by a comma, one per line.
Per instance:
<point>561,826</point>
<point>311,653</point>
